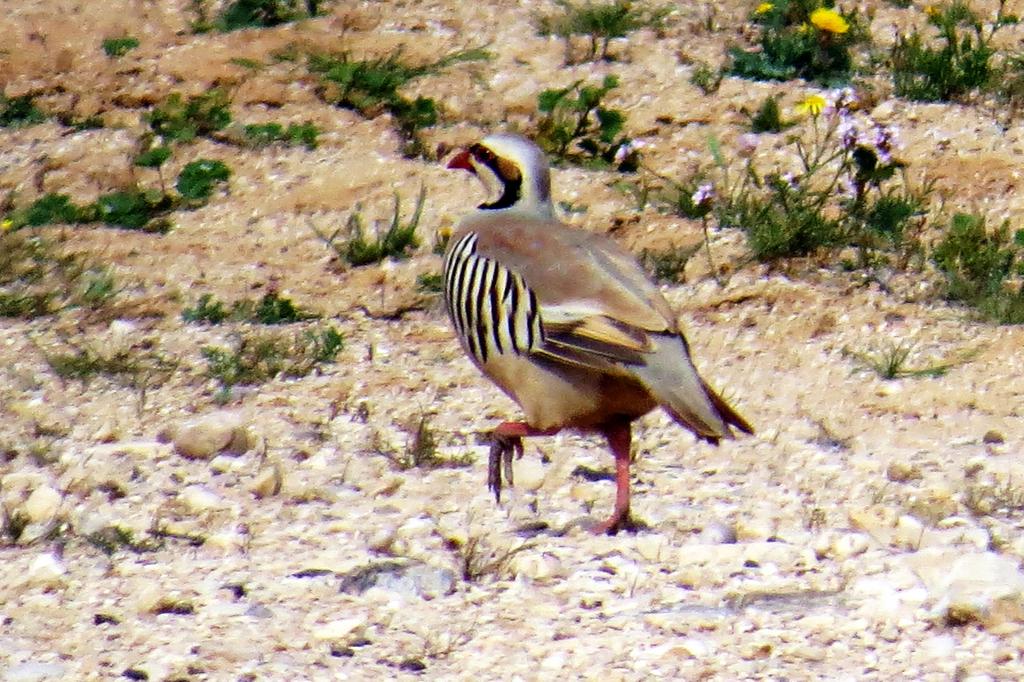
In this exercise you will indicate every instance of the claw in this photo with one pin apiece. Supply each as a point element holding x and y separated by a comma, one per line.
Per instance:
<point>500,459</point>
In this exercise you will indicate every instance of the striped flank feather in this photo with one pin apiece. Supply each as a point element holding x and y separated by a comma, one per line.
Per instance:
<point>491,308</point>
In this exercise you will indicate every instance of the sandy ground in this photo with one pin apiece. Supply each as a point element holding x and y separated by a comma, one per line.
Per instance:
<point>869,530</point>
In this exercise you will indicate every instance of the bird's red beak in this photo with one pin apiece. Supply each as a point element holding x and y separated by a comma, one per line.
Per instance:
<point>462,160</point>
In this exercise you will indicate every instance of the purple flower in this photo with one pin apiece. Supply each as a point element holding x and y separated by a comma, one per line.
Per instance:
<point>704,193</point>
<point>884,142</point>
<point>847,130</point>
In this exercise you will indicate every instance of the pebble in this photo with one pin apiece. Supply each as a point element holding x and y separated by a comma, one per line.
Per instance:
<point>717,533</point>
<point>42,504</point>
<point>268,482</point>
<point>343,629</point>
<point>538,566</point>
<point>199,499</point>
<point>410,579</point>
<point>30,671</point>
<point>530,474</point>
<point>965,587</point>
<point>207,435</point>
<point>46,570</point>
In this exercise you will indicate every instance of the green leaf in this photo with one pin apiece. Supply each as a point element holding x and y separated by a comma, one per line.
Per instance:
<point>153,158</point>
<point>197,179</point>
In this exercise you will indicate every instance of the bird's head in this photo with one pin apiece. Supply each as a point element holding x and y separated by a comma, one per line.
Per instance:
<point>513,170</point>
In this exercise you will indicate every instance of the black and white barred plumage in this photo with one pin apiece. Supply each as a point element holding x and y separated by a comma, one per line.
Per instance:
<point>493,310</point>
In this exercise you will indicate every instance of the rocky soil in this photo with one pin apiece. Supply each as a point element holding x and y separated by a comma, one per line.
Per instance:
<point>871,529</point>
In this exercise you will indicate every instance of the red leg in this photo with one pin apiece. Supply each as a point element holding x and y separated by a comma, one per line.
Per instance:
<point>508,440</point>
<point>618,435</point>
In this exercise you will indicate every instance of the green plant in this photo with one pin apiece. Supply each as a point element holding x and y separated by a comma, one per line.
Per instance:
<point>109,539</point>
<point>198,178</point>
<point>155,157</point>
<point>241,14</point>
<point>119,47</point>
<point>667,265</point>
<point>891,362</point>
<point>800,39</point>
<point>599,22</point>
<point>20,111</point>
<point>371,87</point>
<point>259,357</point>
<point>429,282</point>
<point>206,309</point>
<point>980,265</point>
<point>395,242</point>
<point>706,78</point>
<point>132,209</point>
<point>263,134</point>
<point>38,277</point>
<point>961,64</point>
<point>271,309</point>
<point>577,127</point>
<point>48,209</point>
<point>847,189</point>
<point>768,117</point>
<point>182,120</point>
<point>136,367</point>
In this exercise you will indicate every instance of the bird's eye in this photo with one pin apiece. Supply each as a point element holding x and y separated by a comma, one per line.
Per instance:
<point>482,153</point>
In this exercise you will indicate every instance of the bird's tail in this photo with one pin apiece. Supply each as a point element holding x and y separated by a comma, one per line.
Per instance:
<point>672,379</point>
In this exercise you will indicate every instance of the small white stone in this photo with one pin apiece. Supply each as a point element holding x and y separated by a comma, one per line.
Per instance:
<point>695,647</point>
<point>848,545</point>
<point>341,629</point>
<point>199,499</point>
<point>538,566</point>
<point>753,530</point>
<point>530,474</point>
<point>46,570</point>
<point>42,504</point>
<point>717,533</point>
<point>226,541</point>
<point>268,482</point>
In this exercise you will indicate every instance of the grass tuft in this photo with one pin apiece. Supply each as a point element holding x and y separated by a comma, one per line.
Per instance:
<point>396,242</point>
<point>599,23</point>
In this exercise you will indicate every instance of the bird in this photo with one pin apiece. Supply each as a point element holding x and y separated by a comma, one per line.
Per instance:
<point>565,322</point>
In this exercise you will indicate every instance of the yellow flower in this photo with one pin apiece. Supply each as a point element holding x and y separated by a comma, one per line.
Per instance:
<point>829,20</point>
<point>764,8</point>
<point>812,104</point>
<point>6,225</point>
<point>931,10</point>
<point>803,28</point>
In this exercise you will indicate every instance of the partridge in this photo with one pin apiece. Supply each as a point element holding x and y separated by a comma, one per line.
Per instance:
<point>565,322</point>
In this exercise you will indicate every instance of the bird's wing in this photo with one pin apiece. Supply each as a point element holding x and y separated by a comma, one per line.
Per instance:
<point>595,304</point>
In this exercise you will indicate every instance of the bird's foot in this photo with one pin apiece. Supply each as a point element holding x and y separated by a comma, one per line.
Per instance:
<point>503,448</point>
<point>619,520</point>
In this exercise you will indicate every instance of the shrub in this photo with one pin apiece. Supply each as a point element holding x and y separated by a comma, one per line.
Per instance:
<point>371,87</point>
<point>576,126</point>
<point>182,120</point>
<point>961,64</point>
<point>599,22</point>
<point>980,265</point>
<point>800,39</point>
<point>119,47</point>
<point>198,178</point>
